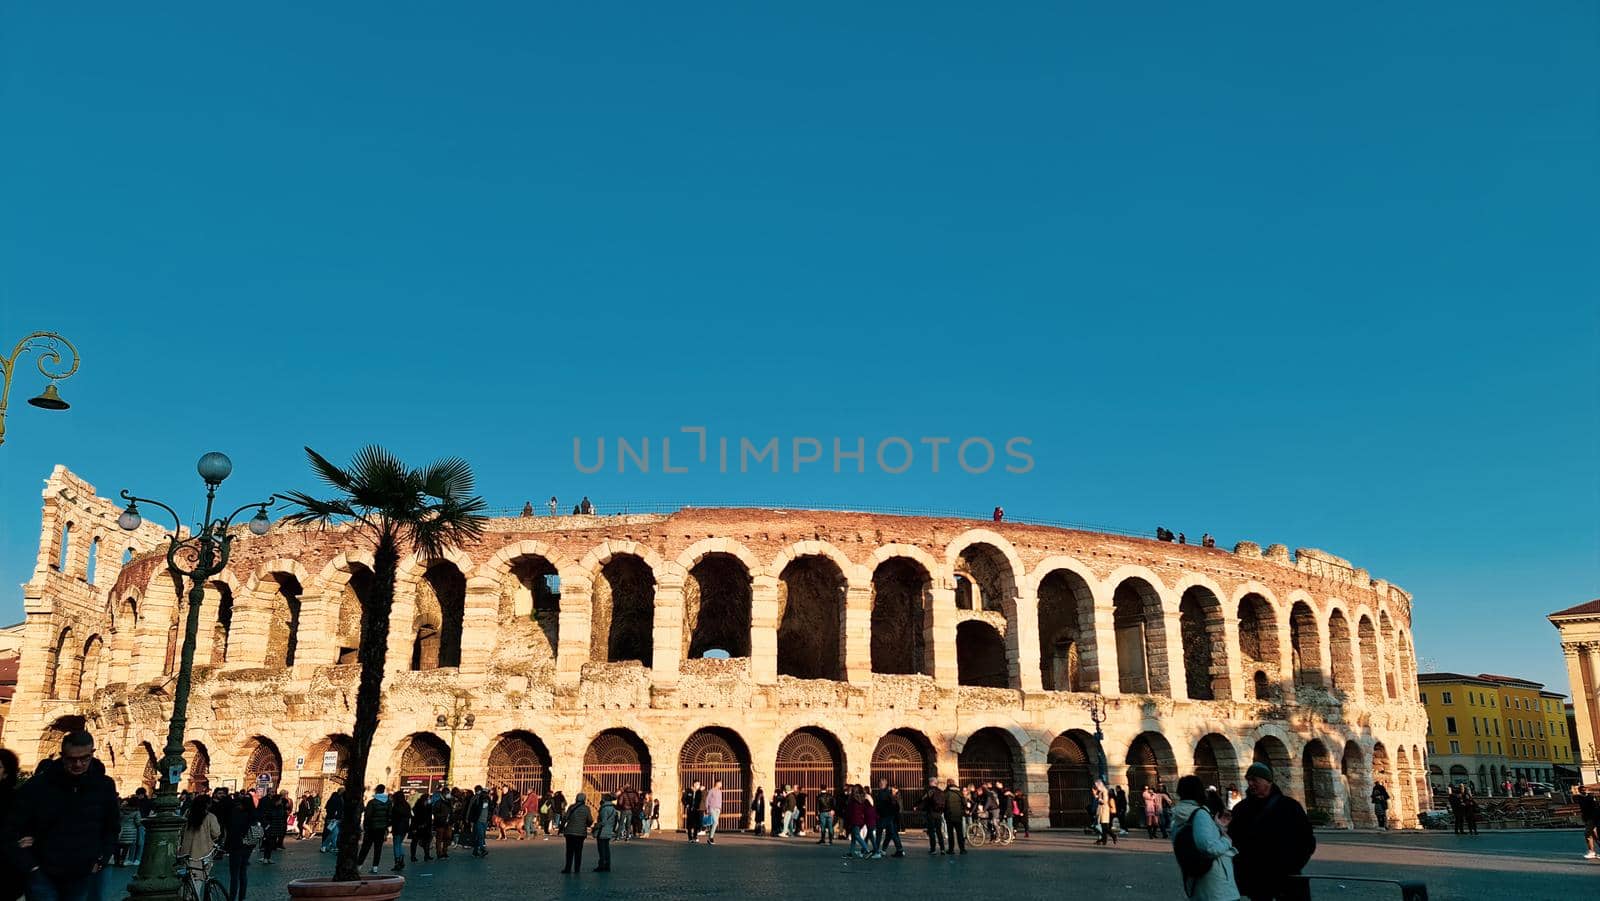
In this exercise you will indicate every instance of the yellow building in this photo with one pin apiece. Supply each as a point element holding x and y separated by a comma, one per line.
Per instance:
<point>1487,730</point>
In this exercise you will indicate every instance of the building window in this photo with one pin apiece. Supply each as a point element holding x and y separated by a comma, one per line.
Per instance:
<point>1424,696</point>
<point>1450,725</point>
<point>1447,698</point>
<point>1471,698</point>
<point>1455,747</point>
<point>1430,748</point>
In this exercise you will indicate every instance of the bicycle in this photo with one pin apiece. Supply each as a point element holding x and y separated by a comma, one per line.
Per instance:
<point>190,884</point>
<point>1004,834</point>
<point>977,833</point>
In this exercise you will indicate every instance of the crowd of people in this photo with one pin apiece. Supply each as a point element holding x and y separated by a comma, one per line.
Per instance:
<point>1165,534</point>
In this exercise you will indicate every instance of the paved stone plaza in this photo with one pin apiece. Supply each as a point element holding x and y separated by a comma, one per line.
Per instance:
<point>1532,866</point>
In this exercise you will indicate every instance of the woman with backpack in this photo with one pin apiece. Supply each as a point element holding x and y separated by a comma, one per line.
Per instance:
<point>1105,813</point>
<point>242,830</point>
<point>1204,853</point>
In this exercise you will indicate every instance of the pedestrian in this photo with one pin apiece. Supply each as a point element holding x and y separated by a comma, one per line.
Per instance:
<point>399,824</point>
<point>886,802</point>
<point>553,505</point>
<point>932,808</point>
<point>330,825</point>
<point>1182,539</point>
<point>375,827</point>
<point>575,823</point>
<point>1019,809</point>
<point>1165,798</point>
<point>1105,804</point>
<point>712,812</point>
<point>779,803</point>
<point>798,824</point>
<point>691,800</point>
<point>953,804</point>
<point>11,881</point>
<point>652,822</point>
<point>1274,839</point>
<point>479,814</point>
<point>443,810</point>
<point>241,832</point>
<point>64,823</point>
<point>999,514</point>
<point>530,813</point>
<point>127,831</point>
<point>421,830</point>
<point>527,509</point>
<point>1152,811</point>
<point>758,810</point>
<point>1469,805</point>
<point>584,507</point>
<point>147,809</point>
<point>1589,816</point>
<point>855,823</point>
<point>1205,855</point>
<point>1458,810</point>
<point>825,805</point>
<point>606,827</point>
<point>1234,797</point>
<point>202,833</point>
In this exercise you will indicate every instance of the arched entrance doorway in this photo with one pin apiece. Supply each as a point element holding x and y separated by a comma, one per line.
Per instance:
<point>905,758</point>
<point>329,764</point>
<point>811,759</point>
<point>519,759</point>
<point>715,754</point>
<point>1150,762</point>
<point>1216,763</point>
<point>263,766</point>
<point>1072,774</point>
<point>990,755</point>
<point>1318,773</point>
<point>424,763</point>
<point>197,767</point>
<point>615,760</point>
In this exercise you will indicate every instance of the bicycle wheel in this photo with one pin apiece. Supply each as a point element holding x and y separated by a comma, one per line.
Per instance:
<point>185,887</point>
<point>977,835</point>
<point>215,891</point>
<point>1006,834</point>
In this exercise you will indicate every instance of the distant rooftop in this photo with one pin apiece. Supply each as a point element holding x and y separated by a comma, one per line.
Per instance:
<point>1592,608</point>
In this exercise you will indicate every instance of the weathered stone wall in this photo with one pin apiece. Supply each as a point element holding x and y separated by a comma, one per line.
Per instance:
<point>567,667</point>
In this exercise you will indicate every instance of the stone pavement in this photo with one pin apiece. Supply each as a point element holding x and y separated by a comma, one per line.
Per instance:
<point>1532,866</point>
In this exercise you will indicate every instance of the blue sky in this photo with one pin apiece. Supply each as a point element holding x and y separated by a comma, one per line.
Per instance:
<point>1324,278</point>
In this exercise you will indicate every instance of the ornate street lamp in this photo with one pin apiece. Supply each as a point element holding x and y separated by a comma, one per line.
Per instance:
<point>49,357</point>
<point>460,718</point>
<point>1097,712</point>
<point>197,557</point>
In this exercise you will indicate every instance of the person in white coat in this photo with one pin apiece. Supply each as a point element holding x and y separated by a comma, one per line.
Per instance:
<point>1190,815</point>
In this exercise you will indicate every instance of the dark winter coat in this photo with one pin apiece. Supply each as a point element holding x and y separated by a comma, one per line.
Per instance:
<point>376,817</point>
<point>399,815</point>
<point>74,821</point>
<point>236,821</point>
<point>1274,840</point>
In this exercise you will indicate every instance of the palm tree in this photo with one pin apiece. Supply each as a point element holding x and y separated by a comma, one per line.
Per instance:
<point>419,510</point>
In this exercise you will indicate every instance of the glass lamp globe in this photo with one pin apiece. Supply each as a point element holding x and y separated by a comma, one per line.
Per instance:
<point>214,467</point>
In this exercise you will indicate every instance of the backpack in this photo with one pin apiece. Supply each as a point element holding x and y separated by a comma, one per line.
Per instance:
<point>254,835</point>
<point>1192,862</point>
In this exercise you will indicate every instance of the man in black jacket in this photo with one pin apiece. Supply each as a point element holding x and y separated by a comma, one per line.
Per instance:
<point>954,809</point>
<point>1274,839</point>
<point>933,810</point>
<point>64,823</point>
<point>886,804</point>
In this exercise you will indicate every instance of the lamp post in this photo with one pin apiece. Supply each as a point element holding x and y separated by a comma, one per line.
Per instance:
<point>459,718</point>
<point>197,557</point>
<point>1594,762</point>
<point>49,357</point>
<point>1097,712</point>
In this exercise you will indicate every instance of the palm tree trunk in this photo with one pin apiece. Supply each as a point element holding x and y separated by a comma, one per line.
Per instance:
<point>372,653</point>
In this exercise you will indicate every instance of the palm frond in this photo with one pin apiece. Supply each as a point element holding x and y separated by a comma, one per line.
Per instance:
<point>450,477</point>
<point>328,472</point>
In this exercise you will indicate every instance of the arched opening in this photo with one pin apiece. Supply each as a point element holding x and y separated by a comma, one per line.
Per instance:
<point>529,625</point>
<point>353,596</point>
<point>441,607</point>
<point>1216,763</point>
<point>905,757</point>
<point>61,727</point>
<point>1386,634</point>
<point>58,678</point>
<point>1383,775</point>
<point>329,763</point>
<point>1407,664</point>
<point>980,655</point>
<point>1341,660</point>
<point>424,763</point>
<point>810,759</point>
<point>811,619</point>
<point>1357,786</point>
<point>716,609</point>
<point>64,551</point>
<point>624,605</point>
<point>1141,639</point>
<point>615,760</point>
<point>1072,773</point>
<point>150,778</point>
<point>964,592</point>
<point>1258,642</point>
<point>1066,643</point>
<point>1261,687</point>
<point>1271,750</point>
<point>1419,782</point>
<point>991,755</point>
<point>94,560</point>
<point>283,618</point>
<point>902,610</point>
<point>197,766</point>
<point>1367,639</point>
<point>124,641</point>
<point>263,767</point>
<point>1205,646</point>
<point>223,629</point>
<point>994,584</point>
<point>1316,766</point>
<point>127,555</point>
<point>1305,645</point>
<point>713,755</point>
<point>1150,762</point>
<point>89,670</point>
<point>520,759</point>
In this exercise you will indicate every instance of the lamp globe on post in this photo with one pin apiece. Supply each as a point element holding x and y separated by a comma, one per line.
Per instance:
<point>214,467</point>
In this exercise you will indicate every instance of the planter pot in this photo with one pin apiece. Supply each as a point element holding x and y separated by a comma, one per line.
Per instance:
<point>367,888</point>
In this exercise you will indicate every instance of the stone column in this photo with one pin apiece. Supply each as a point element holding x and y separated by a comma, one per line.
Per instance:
<point>1037,787</point>
<point>572,650</point>
<point>1105,648</point>
<point>857,643</point>
<point>1177,677</point>
<point>479,628</point>
<point>942,636</point>
<point>1022,642</point>
<point>1285,661</point>
<point>764,630</point>
<point>667,650</point>
<point>664,785</point>
<point>1239,679</point>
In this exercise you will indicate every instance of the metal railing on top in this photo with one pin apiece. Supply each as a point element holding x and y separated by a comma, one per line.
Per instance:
<point>626,508</point>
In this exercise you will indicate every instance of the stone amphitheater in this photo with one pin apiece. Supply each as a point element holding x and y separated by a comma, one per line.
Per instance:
<point>570,651</point>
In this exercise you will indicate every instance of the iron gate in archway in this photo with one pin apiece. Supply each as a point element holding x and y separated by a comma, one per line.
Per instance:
<point>710,755</point>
